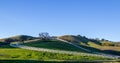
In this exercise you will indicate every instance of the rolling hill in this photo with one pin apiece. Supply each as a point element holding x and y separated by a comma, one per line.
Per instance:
<point>10,53</point>
<point>82,41</point>
<point>105,46</point>
<point>54,44</point>
<point>79,39</point>
<point>87,43</point>
<point>17,38</point>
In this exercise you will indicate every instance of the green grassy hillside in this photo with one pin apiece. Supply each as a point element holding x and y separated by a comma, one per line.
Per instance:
<point>57,45</point>
<point>17,38</point>
<point>10,53</point>
<point>22,55</point>
<point>79,39</point>
<point>96,45</point>
<point>38,61</point>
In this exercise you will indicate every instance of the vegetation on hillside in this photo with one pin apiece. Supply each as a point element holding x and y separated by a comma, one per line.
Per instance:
<point>10,53</point>
<point>53,44</point>
<point>16,54</point>
<point>79,39</point>
<point>94,45</point>
<point>17,38</point>
<point>91,44</point>
<point>82,39</point>
<point>38,61</point>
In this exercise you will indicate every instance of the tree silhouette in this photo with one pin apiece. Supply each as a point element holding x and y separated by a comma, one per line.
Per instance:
<point>44,36</point>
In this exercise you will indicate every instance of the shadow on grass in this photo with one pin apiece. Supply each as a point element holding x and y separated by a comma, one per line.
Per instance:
<point>102,51</point>
<point>6,46</point>
<point>37,61</point>
<point>112,52</point>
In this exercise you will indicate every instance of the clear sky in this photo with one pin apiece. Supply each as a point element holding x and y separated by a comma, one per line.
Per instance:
<point>92,18</point>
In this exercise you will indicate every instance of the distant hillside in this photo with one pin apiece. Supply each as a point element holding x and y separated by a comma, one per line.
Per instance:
<point>71,38</point>
<point>80,39</point>
<point>17,38</point>
<point>97,45</point>
<point>87,41</point>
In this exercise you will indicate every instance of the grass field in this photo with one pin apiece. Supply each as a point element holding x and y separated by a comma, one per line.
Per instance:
<point>114,48</point>
<point>16,55</point>
<point>9,53</point>
<point>37,61</point>
<point>57,45</point>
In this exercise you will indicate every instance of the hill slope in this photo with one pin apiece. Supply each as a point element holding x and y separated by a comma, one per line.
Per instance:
<point>53,44</point>
<point>23,54</point>
<point>17,38</point>
<point>103,46</point>
<point>82,41</point>
<point>79,39</point>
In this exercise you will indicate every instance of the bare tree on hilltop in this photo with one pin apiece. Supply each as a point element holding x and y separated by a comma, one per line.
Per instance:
<point>44,36</point>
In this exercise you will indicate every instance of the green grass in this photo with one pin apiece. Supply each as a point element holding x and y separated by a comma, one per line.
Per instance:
<point>92,44</point>
<point>22,54</point>
<point>57,45</point>
<point>16,55</point>
<point>34,61</point>
<point>4,45</point>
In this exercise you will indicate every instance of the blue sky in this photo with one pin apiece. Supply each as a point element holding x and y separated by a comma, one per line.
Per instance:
<point>92,18</point>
